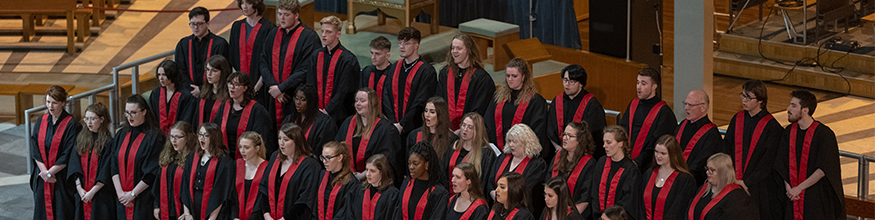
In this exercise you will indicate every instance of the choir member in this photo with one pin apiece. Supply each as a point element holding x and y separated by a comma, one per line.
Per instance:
<point>193,51</point>
<point>808,164</point>
<point>668,185</point>
<point>557,198</point>
<point>517,101</point>
<point>182,140</point>
<point>207,177</point>
<point>215,90</point>
<point>136,149</point>
<point>409,85</point>
<point>375,200</point>
<point>615,178</point>
<point>247,44</point>
<point>89,166</point>
<point>335,71</point>
<point>752,141</point>
<point>54,136</point>
<point>473,148</point>
<point>615,213</point>
<point>575,163</point>
<point>374,75</point>
<point>697,136</point>
<point>424,195</point>
<point>319,127</point>
<point>520,156</point>
<point>336,183</point>
<point>468,201</point>
<point>240,113</point>
<point>436,127</point>
<point>282,67</point>
<point>170,100</point>
<point>511,198</point>
<point>646,118</point>
<point>721,197</point>
<point>464,73</point>
<point>250,171</point>
<point>292,174</point>
<point>574,105</point>
<point>369,133</point>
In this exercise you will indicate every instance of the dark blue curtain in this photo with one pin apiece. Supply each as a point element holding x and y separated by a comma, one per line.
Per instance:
<point>556,23</point>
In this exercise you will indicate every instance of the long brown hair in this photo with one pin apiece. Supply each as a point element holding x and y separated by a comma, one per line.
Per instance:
<point>472,53</point>
<point>441,137</point>
<point>517,193</point>
<point>374,111</point>
<point>478,142</point>
<point>170,155</point>
<point>345,173</point>
<point>502,94</point>
<point>469,171</point>
<point>85,141</point>
<point>217,62</point>
<point>302,146</point>
<point>563,197</point>
<point>675,154</point>
<point>386,176</point>
<point>216,148</point>
<point>585,145</point>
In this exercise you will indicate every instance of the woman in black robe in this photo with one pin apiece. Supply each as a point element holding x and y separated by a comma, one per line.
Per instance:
<point>468,202</point>
<point>247,44</point>
<point>473,133</point>
<point>181,141</point>
<point>511,199</point>
<point>615,178</point>
<point>517,101</point>
<point>369,133</point>
<point>464,83</point>
<point>250,171</point>
<point>376,199</point>
<point>521,156</point>
<point>668,185</point>
<point>171,101</point>
<point>423,196</point>
<point>207,177</point>
<point>240,114</point>
<point>721,198</point>
<point>336,183</point>
<point>214,92</point>
<point>291,174</point>
<point>435,127</point>
<point>575,163</point>
<point>54,136</point>
<point>557,198</point>
<point>319,128</point>
<point>134,166</point>
<point>89,166</point>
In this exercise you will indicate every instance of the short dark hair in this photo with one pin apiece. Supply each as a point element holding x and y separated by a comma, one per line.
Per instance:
<point>243,80</point>
<point>199,11</point>
<point>616,213</point>
<point>381,43</point>
<point>258,5</point>
<point>806,100</point>
<point>58,93</point>
<point>409,33</point>
<point>758,88</point>
<point>576,73</point>
<point>654,76</point>
<point>171,70</point>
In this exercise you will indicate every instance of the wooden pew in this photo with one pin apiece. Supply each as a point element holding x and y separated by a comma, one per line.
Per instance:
<point>28,9</point>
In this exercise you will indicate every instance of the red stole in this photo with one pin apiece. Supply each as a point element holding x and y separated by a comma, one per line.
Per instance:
<point>246,44</point>
<point>520,168</point>
<point>247,203</point>
<point>177,181</point>
<point>453,163</point>
<point>213,111</point>
<point>457,107</point>
<point>208,182</point>
<point>608,200</point>
<point>398,112</point>
<point>368,204</point>
<point>423,201</point>
<point>359,165</point>
<point>89,169</point>
<point>324,88</point>
<point>49,160</point>
<point>190,59</point>
<point>726,189</point>
<point>578,114</point>
<point>167,116</point>
<point>470,210</point>
<point>277,202</point>
<point>799,169</point>
<point>645,128</point>
<point>509,216</point>
<point>572,179</point>
<point>696,137</point>
<point>241,125</point>
<point>739,141</point>
<point>280,75</point>
<point>656,213</point>
<point>327,213</point>
<point>127,159</point>
<point>499,126</point>
<point>379,85</point>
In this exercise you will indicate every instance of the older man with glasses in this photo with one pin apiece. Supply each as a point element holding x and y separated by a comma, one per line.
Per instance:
<point>698,137</point>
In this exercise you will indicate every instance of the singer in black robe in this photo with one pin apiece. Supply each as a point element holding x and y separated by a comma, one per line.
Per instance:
<point>698,142</point>
<point>381,208</point>
<point>532,169</point>
<point>733,204</point>
<point>244,194</point>
<point>341,197</point>
<point>487,157</point>
<point>206,111</point>
<point>577,179</point>
<point>384,140</point>
<point>258,121</point>
<point>90,169</point>
<point>145,169</point>
<point>407,88</point>
<point>199,188</point>
<point>624,192</point>
<point>825,198</point>
<point>471,90</point>
<point>294,201</point>
<point>534,115</point>
<point>672,199</point>
<point>340,67</point>
<point>167,190</point>
<point>319,133</point>
<point>575,109</point>
<point>286,69</point>
<point>416,190</point>
<point>45,146</point>
<point>661,122</point>
<point>192,54</point>
<point>185,103</point>
<point>246,49</point>
<point>374,78</point>
<point>569,215</point>
<point>416,136</point>
<point>756,168</point>
<point>478,210</point>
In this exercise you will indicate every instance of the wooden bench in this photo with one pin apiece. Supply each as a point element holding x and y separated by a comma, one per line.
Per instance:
<point>28,9</point>
<point>859,208</point>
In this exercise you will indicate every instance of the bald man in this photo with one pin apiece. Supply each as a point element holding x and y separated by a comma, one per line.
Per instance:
<point>698,137</point>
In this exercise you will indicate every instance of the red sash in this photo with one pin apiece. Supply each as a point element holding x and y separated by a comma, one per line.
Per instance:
<point>241,125</point>
<point>696,137</point>
<point>520,168</point>
<point>457,107</point>
<point>499,126</point>
<point>246,203</point>
<point>213,110</point>
<point>453,164</point>
<point>177,180</point>
<point>89,169</point>
<point>423,201</point>
<point>572,179</point>
<point>645,129</point>
<point>278,75</point>
<point>739,142</point>
<point>307,135</point>
<point>398,112</point>
<point>127,159</point>
<point>325,89</point>
<point>167,118</point>
<point>379,85</point>
<point>208,183</point>
<point>799,173</point>
<point>275,201</point>
<point>578,114</point>
<point>359,165</point>
<point>368,205</point>
<point>470,210</point>
<point>49,160</point>
<point>656,213</point>
<point>726,189</point>
<point>246,44</point>
<point>608,200</point>
<point>509,216</point>
<point>191,63</point>
<point>327,213</point>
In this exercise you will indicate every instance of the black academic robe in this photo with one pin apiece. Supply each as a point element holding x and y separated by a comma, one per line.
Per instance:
<point>205,111</point>
<point>605,184</point>
<point>192,54</point>
<point>570,214</point>
<point>756,168</point>
<point>246,49</point>
<point>384,140</point>
<point>298,185</point>
<point>335,74</point>
<point>733,204</point>
<point>373,78</point>
<point>53,151</point>
<point>90,169</point>
<point>231,124</point>
<point>696,152</point>
<point>197,185</point>
<point>824,199</point>
<point>330,204</point>
<point>404,97</point>
<point>579,175</point>
<point>319,133</point>
<point>407,206</point>
<point>533,172</point>
<point>661,122</point>
<point>487,158</point>
<point>672,199</point>
<point>381,208</point>
<point>471,90</point>
<point>286,69</point>
<point>534,116</point>
<point>478,210</point>
<point>141,148</point>
<point>591,111</point>
<point>166,190</point>
<point>181,107</point>
<point>244,194</point>
<point>416,136</point>
<point>516,214</point>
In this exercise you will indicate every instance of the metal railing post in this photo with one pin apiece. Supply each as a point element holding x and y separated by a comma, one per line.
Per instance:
<point>135,79</point>
<point>113,100</point>
<point>28,128</point>
<point>863,179</point>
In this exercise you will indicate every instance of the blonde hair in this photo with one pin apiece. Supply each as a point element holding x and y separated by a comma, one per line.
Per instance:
<point>725,173</point>
<point>478,142</point>
<point>528,89</point>
<point>374,111</point>
<point>331,20</point>
<point>620,135</point>
<point>524,134</point>
<point>256,141</point>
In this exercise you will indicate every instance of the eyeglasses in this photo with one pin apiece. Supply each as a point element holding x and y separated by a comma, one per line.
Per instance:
<point>300,99</point>
<point>711,170</point>
<point>325,159</point>
<point>196,24</point>
<point>87,119</point>
<point>567,135</point>
<point>177,137</point>
<point>692,105</point>
<point>233,84</point>
<point>203,135</point>
<point>132,113</point>
<point>745,97</point>
<point>568,81</point>
<point>406,43</point>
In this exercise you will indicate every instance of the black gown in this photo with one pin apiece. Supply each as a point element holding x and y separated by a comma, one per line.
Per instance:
<point>534,116</point>
<point>140,148</point>
<point>478,210</point>
<point>662,122</point>
<point>192,54</point>
<point>319,133</point>
<point>825,198</point>
<point>380,208</point>
<point>673,204</point>
<point>404,97</point>
<point>623,188</point>
<point>414,191</point>
<point>592,112</point>
<point>384,140</point>
<point>516,214</point>
<point>293,203</point>
<point>205,111</point>
<point>43,146</point>
<point>487,158</point>
<point>734,204</point>
<point>246,50</point>
<point>212,181</point>
<point>757,168</point>
<point>707,143</point>
<point>571,214</point>
<point>533,172</point>
<point>286,69</point>
<point>258,120</point>
<point>181,107</point>
<point>244,194</point>
<point>580,187</point>
<point>373,78</point>
<point>330,204</point>
<point>416,136</point>
<point>166,191</point>
<point>90,169</point>
<point>340,68</point>
<point>470,92</point>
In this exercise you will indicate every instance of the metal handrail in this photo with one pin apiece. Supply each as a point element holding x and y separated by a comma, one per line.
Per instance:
<point>135,78</point>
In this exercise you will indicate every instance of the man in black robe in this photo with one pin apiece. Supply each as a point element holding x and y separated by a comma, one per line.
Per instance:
<point>193,51</point>
<point>698,137</point>
<point>408,85</point>
<point>577,105</point>
<point>808,163</point>
<point>650,118</point>
<point>247,44</point>
<point>334,70</point>
<point>282,66</point>
<point>373,76</point>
